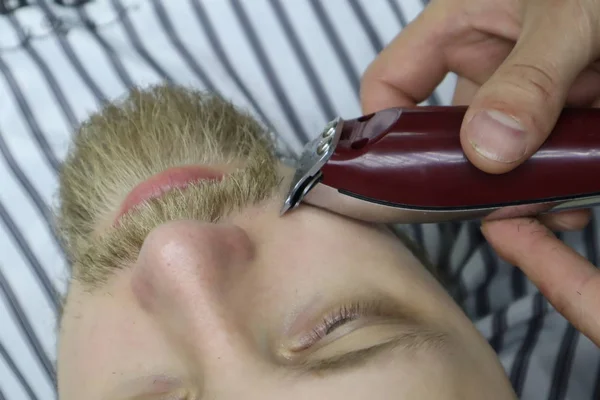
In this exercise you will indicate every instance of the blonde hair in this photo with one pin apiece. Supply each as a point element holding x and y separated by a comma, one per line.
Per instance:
<point>147,132</point>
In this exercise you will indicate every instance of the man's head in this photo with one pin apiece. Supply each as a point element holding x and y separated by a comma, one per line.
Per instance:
<point>203,291</point>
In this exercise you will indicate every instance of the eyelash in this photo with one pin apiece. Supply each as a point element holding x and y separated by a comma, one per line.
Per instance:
<point>343,315</point>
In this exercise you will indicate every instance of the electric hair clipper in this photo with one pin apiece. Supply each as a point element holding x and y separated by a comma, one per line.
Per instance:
<point>407,166</point>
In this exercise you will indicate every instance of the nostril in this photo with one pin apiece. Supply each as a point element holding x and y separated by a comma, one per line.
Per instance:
<point>239,242</point>
<point>143,289</point>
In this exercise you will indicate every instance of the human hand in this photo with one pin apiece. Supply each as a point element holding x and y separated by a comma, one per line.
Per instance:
<point>526,59</point>
<point>516,57</point>
<point>569,282</point>
<point>565,278</point>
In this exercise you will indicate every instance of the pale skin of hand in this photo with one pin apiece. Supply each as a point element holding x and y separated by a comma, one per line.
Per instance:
<point>517,57</point>
<point>569,281</point>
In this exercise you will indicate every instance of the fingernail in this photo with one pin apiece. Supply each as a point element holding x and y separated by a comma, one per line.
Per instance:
<point>497,137</point>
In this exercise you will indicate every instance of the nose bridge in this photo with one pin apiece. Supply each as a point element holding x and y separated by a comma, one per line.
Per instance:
<point>183,279</point>
<point>183,267</point>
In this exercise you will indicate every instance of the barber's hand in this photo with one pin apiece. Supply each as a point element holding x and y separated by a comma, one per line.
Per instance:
<point>519,62</point>
<point>566,279</point>
<point>529,58</point>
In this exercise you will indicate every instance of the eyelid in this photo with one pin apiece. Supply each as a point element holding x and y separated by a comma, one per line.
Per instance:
<point>149,387</point>
<point>350,359</point>
<point>179,395</point>
<point>346,312</point>
<point>346,329</point>
<point>376,308</point>
<point>356,335</point>
<point>411,339</point>
<point>408,332</point>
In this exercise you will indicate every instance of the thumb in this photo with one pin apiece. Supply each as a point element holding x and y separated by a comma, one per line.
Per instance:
<point>515,110</point>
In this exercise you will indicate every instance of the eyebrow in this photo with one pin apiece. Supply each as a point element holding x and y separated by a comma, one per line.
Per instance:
<point>413,339</point>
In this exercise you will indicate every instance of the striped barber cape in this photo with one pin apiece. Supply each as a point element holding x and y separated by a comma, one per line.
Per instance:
<point>295,64</point>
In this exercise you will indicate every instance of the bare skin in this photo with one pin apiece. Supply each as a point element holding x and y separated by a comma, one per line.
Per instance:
<point>229,310</point>
<point>519,62</point>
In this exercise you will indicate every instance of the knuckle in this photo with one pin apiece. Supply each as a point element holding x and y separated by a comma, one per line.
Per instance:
<point>585,13</point>
<point>528,92</point>
<point>537,81</point>
<point>577,19</point>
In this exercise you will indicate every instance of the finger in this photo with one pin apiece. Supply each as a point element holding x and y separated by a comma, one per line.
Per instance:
<point>464,91</point>
<point>477,58</point>
<point>572,220</point>
<point>515,110</point>
<point>408,70</point>
<point>584,92</point>
<point>585,89</point>
<point>565,278</point>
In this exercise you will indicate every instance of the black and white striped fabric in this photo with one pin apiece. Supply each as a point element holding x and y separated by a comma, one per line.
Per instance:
<point>295,64</point>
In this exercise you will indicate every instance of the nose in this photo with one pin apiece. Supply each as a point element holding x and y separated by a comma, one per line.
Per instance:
<point>184,269</point>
